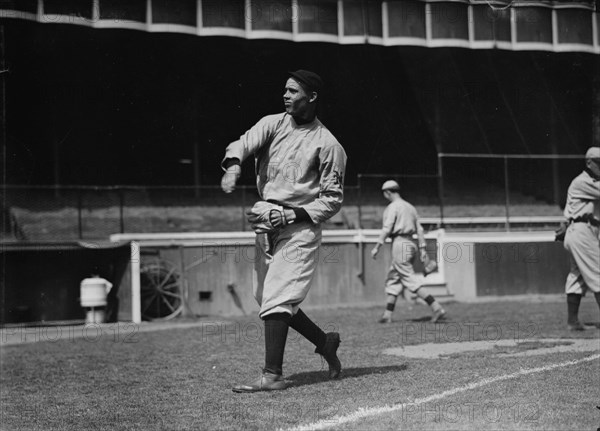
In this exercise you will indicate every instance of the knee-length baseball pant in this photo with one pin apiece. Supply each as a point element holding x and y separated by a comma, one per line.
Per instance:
<point>583,244</point>
<point>282,280</point>
<point>401,273</point>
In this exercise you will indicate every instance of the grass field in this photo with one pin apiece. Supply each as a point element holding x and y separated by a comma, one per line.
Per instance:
<point>179,377</point>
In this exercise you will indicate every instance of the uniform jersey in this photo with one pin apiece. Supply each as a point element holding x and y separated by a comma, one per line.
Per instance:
<point>299,165</point>
<point>401,221</point>
<point>582,240</point>
<point>400,218</point>
<point>583,197</point>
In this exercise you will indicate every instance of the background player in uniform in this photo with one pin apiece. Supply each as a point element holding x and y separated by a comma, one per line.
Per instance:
<point>582,239</point>
<point>400,223</point>
<point>300,170</point>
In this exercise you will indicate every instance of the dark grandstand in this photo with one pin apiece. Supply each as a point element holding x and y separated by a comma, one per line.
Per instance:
<point>148,114</point>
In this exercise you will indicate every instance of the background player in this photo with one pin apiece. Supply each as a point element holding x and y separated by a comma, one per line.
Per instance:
<point>582,239</point>
<point>400,223</point>
<point>300,170</point>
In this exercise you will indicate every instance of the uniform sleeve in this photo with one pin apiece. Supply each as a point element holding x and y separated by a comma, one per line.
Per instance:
<point>421,234</point>
<point>332,167</point>
<point>586,189</point>
<point>249,142</point>
<point>389,220</point>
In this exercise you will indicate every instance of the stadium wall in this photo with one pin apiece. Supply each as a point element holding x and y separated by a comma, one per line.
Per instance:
<point>40,282</point>
<point>217,268</point>
<point>500,264</point>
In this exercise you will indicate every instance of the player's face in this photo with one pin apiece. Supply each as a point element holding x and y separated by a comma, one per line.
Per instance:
<point>297,102</point>
<point>594,166</point>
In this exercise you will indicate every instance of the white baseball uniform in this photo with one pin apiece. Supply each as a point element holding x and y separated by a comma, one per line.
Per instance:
<point>582,239</point>
<point>401,222</point>
<point>296,166</point>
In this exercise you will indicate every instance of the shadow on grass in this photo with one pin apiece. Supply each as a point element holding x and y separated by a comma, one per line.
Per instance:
<point>420,319</point>
<point>428,319</point>
<point>315,377</point>
<point>595,324</point>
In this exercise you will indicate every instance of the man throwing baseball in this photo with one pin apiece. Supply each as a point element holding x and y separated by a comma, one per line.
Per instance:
<point>400,223</point>
<point>299,174</point>
<point>582,240</point>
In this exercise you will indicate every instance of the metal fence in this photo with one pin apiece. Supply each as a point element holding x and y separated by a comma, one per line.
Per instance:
<point>475,192</point>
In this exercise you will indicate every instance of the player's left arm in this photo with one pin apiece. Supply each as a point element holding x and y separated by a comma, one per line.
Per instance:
<point>421,239</point>
<point>332,168</point>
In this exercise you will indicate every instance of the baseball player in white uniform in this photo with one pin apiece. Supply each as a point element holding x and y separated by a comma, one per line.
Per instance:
<point>582,239</point>
<point>400,223</point>
<point>300,170</point>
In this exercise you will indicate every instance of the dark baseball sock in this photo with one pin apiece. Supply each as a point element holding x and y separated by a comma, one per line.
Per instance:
<point>573,301</point>
<point>308,329</point>
<point>276,330</point>
<point>390,305</point>
<point>429,299</point>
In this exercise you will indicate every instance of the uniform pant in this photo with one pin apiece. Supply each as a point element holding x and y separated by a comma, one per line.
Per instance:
<point>582,241</point>
<point>401,273</point>
<point>281,282</point>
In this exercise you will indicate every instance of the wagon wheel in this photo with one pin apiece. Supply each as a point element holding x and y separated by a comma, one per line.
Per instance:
<point>161,295</point>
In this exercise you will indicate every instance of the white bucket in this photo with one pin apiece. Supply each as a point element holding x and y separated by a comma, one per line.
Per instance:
<point>93,292</point>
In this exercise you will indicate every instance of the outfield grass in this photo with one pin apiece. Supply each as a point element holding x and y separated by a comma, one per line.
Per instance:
<point>181,378</point>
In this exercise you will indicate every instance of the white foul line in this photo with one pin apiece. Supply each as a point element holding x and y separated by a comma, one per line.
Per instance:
<point>366,412</point>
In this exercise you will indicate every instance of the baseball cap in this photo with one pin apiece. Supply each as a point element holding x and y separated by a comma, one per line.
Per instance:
<point>310,81</point>
<point>390,185</point>
<point>593,153</point>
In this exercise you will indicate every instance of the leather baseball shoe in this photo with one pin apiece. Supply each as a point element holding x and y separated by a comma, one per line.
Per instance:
<point>329,352</point>
<point>437,315</point>
<point>385,320</point>
<point>266,382</point>
<point>576,326</point>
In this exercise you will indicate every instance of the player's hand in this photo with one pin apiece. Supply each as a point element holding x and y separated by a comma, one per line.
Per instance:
<point>374,251</point>
<point>277,218</point>
<point>230,178</point>
<point>423,255</point>
<point>261,214</point>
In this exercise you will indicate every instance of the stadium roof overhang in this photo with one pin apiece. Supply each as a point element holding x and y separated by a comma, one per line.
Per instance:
<point>59,246</point>
<point>556,26</point>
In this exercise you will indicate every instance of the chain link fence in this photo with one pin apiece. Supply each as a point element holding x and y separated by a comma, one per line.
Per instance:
<point>484,193</point>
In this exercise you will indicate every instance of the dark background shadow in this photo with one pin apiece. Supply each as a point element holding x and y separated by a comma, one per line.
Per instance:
<point>313,377</point>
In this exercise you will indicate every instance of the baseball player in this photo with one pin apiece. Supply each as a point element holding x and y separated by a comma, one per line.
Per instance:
<point>582,239</point>
<point>400,223</point>
<point>299,174</point>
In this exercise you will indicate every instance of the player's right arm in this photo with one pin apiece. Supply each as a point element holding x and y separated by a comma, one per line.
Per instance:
<point>586,188</point>
<point>239,150</point>
<point>388,224</point>
<point>233,171</point>
<point>583,197</point>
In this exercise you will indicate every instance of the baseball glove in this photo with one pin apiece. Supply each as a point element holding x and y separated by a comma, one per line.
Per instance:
<point>560,232</point>
<point>261,214</point>
<point>429,265</point>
